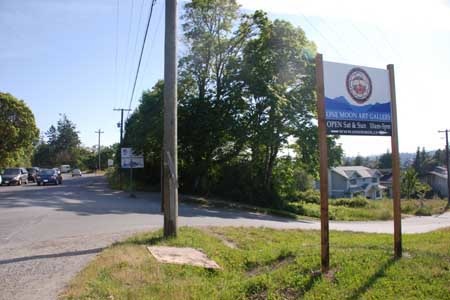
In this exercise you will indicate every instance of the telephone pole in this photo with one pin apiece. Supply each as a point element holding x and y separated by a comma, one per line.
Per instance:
<point>121,141</point>
<point>447,164</point>
<point>170,168</point>
<point>99,161</point>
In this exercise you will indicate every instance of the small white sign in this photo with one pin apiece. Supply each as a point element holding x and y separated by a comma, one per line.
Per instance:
<point>133,162</point>
<point>126,152</point>
<point>110,163</point>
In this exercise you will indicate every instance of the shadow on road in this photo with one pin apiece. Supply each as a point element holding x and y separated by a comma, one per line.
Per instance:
<point>91,195</point>
<point>53,255</point>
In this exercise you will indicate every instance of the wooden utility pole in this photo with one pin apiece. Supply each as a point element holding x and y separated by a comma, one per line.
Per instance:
<point>447,164</point>
<point>395,168</point>
<point>170,172</point>
<point>121,141</point>
<point>99,159</point>
<point>325,247</point>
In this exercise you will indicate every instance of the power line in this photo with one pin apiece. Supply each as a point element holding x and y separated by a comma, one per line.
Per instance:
<point>142,51</point>
<point>380,55</point>
<point>147,62</point>
<point>383,35</point>
<point>339,36</point>
<point>135,44</point>
<point>125,69</point>
<point>323,36</point>
<point>117,53</point>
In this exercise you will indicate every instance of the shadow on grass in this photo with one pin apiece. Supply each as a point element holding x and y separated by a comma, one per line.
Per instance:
<point>153,240</point>
<point>373,279</point>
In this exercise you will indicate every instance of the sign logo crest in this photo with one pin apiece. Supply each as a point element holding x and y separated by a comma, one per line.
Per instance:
<point>359,85</point>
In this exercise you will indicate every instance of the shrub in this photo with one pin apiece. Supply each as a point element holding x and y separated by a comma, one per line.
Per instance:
<point>309,196</point>
<point>351,202</point>
<point>424,211</point>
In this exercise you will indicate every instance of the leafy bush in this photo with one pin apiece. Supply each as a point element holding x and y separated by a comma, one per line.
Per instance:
<point>424,211</point>
<point>351,202</point>
<point>309,196</point>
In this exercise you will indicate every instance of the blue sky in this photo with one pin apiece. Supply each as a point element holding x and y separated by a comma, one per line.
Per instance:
<point>60,57</point>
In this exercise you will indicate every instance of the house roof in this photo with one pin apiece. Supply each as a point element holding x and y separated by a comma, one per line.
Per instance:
<point>439,171</point>
<point>356,171</point>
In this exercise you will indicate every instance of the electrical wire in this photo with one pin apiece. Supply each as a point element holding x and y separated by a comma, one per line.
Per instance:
<point>380,55</point>
<point>125,66</point>
<point>117,55</point>
<point>142,51</point>
<point>135,45</point>
<point>158,26</point>
<point>323,36</point>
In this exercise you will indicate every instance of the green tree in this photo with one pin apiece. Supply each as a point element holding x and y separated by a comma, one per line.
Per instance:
<point>385,160</point>
<point>18,132</point>
<point>279,85</point>
<point>358,161</point>
<point>144,133</point>
<point>67,142</point>
<point>62,145</point>
<point>209,95</point>
<point>409,183</point>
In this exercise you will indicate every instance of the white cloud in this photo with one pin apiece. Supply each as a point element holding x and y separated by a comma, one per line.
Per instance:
<point>390,14</point>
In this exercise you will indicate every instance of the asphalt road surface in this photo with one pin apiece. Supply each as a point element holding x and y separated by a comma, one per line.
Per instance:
<point>47,234</point>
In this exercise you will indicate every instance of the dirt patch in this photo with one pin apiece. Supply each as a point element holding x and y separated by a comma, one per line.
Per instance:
<point>289,293</point>
<point>258,296</point>
<point>225,240</point>
<point>271,266</point>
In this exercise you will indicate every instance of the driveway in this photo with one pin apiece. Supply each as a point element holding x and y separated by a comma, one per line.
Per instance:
<point>47,234</point>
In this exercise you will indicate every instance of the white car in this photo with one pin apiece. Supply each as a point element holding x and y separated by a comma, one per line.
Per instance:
<point>76,172</point>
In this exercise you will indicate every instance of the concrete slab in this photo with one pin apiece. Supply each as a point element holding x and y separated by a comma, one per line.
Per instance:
<point>183,256</point>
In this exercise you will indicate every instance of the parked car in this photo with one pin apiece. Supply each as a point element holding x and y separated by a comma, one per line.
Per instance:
<point>64,168</point>
<point>76,172</point>
<point>32,173</point>
<point>46,176</point>
<point>15,176</point>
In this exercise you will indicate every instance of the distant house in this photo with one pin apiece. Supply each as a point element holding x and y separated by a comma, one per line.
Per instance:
<point>437,179</point>
<point>386,181</point>
<point>355,181</point>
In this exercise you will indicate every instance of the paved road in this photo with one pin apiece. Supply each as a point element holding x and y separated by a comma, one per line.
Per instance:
<point>49,233</point>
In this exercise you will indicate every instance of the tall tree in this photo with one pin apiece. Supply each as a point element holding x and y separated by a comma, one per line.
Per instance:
<point>62,146</point>
<point>18,131</point>
<point>278,77</point>
<point>385,160</point>
<point>209,98</point>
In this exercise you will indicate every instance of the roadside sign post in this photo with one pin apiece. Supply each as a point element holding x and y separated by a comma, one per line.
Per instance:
<point>354,100</point>
<point>323,171</point>
<point>131,178</point>
<point>395,168</point>
<point>129,160</point>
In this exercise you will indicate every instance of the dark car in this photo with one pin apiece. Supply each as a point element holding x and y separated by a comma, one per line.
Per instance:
<point>32,173</point>
<point>46,176</point>
<point>15,176</point>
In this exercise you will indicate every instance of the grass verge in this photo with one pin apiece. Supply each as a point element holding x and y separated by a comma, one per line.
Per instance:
<point>271,264</point>
<point>372,210</point>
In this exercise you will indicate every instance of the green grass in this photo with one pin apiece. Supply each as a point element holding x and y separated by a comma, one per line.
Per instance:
<point>374,210</point>
<point>271,264</point>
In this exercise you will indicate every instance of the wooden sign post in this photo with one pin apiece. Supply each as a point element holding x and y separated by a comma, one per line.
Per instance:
<point>361,102</point>
<point>323,172</point>
<point>395,168</point>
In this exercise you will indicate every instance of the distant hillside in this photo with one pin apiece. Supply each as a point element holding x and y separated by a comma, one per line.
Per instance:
<point>405,158</point>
